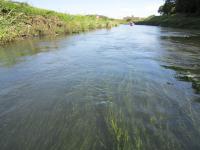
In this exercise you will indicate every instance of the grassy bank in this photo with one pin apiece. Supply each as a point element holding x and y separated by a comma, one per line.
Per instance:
<point>20,20</point>
<point>176,21</point>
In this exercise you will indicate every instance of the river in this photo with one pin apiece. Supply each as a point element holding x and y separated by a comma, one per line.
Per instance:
<point>127,88</point>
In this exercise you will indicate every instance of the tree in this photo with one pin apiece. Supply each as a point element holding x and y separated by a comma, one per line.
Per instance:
<point>198,6</point>
<point>160,10</point>
<point>180,6</point>
<point>186,6</point>
<point>168,8</point>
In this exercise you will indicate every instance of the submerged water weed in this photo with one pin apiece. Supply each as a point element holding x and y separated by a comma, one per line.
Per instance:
<point>119,132</point>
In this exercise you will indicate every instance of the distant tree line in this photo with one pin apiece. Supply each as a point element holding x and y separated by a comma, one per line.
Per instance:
<point>180,6</point>
<point>132,19</point>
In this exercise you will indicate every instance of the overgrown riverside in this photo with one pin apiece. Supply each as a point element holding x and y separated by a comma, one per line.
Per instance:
<point>176,21</point>
<point>20,20</point>
<point>176,13</point>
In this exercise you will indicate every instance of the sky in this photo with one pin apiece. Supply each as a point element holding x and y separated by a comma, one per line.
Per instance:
<point>110,8</point>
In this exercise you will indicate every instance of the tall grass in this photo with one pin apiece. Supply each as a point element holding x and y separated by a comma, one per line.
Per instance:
<point>19,20</point>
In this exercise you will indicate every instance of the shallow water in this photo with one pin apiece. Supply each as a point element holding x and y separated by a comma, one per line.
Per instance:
<point>120,89</point>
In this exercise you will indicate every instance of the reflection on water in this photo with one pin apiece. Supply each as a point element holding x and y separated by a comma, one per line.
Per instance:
<point>187,39</point>
<point>118,89</point>
<point>15,53</point>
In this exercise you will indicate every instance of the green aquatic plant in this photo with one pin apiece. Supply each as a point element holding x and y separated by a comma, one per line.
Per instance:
<point>119,132</point>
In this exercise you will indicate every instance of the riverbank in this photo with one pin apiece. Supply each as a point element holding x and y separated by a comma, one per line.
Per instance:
<point>20,20</point>
<point>175,21</point>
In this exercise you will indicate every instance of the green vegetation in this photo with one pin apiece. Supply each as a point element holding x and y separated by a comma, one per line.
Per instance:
<point>20,20</point>
<point>176,21</point>
<point>180,6</point>
<point>132,19</point>
<point>176,13</point>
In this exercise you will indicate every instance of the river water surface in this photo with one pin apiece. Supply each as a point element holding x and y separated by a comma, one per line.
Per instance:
<point>128,88</point>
